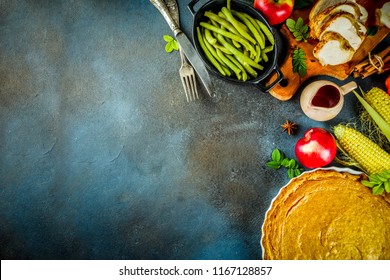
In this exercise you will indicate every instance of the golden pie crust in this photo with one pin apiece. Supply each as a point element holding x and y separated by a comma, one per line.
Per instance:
<point>327,214</point>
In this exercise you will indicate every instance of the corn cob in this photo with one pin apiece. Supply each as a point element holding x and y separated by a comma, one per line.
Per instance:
<point>369,155</point>
<point>380,101</point>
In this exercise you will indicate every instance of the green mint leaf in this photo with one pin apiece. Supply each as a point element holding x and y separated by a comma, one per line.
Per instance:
<point>290,173</point>
<point>276,155</point>
<point>290,23</point>
<point>285,162</point>
<point>273,164</point>
<point>378,190</point>
<point>291,163</point>
<point>304,29</point>
<point>297,34</point>
<point>169,47</point>
<point>387,186</point>
<point>378,182</point>
<point>368,183</point>
<point>374,178</point>
<point>297,172</point>
<point>299,24</point>
<point>280,160</point>
<point>382,177</point>
<point>298,29</point>
<point>298,38</point>
<point>168,38</point>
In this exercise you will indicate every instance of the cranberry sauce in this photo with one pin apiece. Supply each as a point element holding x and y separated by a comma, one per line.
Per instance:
<point>327,96</point>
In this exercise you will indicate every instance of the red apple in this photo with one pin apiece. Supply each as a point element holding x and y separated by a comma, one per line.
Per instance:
<point>275,11</point>
<point>316,149</point>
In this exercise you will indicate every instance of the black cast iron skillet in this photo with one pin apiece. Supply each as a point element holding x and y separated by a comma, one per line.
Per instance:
<point>270,67</point>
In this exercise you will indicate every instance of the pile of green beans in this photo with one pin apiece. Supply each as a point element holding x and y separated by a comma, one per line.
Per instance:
<point>235,43</point>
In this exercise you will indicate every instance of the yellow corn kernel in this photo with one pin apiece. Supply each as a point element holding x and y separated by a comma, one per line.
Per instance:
<point>380,101</point>
<point>369,155</point>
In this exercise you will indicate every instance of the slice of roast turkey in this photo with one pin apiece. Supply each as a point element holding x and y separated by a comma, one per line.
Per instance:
<point>347,26</point>
<point>325,15</point>
<point>322,5</point>
<point>333,49</point>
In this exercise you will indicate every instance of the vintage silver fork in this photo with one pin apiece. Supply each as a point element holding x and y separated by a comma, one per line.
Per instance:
<point>188,78</point>
<point>186,71</point>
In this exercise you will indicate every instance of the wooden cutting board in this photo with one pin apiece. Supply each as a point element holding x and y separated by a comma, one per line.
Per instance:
<point>292,81</point>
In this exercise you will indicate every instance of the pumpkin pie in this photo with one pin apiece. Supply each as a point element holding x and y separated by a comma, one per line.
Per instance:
<point>327,214</point>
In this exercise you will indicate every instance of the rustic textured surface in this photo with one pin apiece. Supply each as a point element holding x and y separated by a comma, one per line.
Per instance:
<point>101,157</point>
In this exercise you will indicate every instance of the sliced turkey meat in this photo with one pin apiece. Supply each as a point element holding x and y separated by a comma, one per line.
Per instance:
<point>347,26</point>
<point>321,5</point>
<point>333,49</point>
<point>324,16</point>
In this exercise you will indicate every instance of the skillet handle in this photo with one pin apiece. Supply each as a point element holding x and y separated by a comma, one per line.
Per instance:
<point>279,77</point>
<point>191,6</point>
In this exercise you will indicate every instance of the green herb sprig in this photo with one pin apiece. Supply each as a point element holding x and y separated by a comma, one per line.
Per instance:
<point>379,183</point>
<point>171,45</point>
<point>299,62</point>
<point>280,160</point>
<point>298,29</point>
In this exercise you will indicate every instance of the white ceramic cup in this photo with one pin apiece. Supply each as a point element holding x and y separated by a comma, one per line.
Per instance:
<point>323,100</point>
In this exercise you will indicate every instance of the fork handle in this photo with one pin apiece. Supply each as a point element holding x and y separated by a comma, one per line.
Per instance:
<point>163,9</point>
<point>183,57</point>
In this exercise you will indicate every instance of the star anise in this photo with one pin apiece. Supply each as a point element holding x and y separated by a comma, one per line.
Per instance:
<point>289,127</point>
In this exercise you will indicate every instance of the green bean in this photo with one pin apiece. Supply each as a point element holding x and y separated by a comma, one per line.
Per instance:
<point>264,56</point>
<point>230,35</point>
<point>234,42</point>
<point>209,38</point>
<point>229,64</point>
<point>263,37</point>
<point>244,60</point>
<point>226,70</point>
<point>254,23</point>
<point>243,26</point>
<point>246,53</point>
<point>213,22</point>
<point>252,20</point>
<point>253,29</point>
<point>222,49</point>
<point>221,22</point>
<point>233,21</point>
<point>244,75</point>
<point>258,54</point>
<point>247,67</point>
<point>213,52</point>
<point>208,54</point>
<point>266,31</point>
<point>268,49</point>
